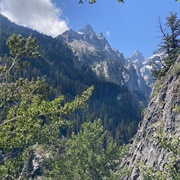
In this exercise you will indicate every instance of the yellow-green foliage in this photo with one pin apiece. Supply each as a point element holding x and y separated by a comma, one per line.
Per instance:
<point>90,154</point>
<point>177,109</point>
<point>30,119</point>
<point>158,85</point>
<point>176,70</point>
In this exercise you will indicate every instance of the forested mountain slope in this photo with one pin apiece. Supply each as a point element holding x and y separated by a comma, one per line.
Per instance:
<point>110,102</point>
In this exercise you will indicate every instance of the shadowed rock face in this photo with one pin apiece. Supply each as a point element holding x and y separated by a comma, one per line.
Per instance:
<point>160,113</point>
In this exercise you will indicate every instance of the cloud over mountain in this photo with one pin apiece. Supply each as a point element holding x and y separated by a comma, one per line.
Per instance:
<point>41,15</point>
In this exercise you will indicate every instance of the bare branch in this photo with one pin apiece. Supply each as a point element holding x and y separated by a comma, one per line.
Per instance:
<point>10,120</point>
<point>161,27</point>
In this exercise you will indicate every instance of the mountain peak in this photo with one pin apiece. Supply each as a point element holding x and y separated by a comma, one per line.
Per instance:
<point>137,55</point>
<point>101,36</point>
<point>87,29</point>
<point>136,52</point>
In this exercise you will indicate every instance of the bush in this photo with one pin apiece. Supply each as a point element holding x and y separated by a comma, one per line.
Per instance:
<point>176,70</point>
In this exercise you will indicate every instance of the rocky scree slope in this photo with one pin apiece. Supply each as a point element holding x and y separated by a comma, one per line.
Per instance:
<point>161,113</point>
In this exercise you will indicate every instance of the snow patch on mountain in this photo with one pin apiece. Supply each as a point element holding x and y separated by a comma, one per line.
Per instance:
<point>108,63</point>
<point>137,55</point>
<point>144,65</point>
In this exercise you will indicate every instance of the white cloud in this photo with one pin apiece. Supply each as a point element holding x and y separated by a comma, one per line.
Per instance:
<point>108,33</point>
<point>41,15</point>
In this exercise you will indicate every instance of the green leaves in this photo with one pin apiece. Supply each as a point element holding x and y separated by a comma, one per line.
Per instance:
<point>20,47</point>
<point>170,45</point>
<point>171,40</point>
<point>32,123</point>
<point>34,120</point>
<point>90,154</point>
<point>94,1</point>
<point>121,1</point>
<point>30,118</point>
<point>23,122</point>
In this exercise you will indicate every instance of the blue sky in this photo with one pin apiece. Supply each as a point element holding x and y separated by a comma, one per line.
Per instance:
<point>128,27</point>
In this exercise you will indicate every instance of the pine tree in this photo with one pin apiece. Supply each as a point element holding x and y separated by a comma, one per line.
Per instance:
<point>171,39</point>
<point>170,45</point>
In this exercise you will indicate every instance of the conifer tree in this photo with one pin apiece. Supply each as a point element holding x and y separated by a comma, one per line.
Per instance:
<point>171,39</point>
<point>170,45</point>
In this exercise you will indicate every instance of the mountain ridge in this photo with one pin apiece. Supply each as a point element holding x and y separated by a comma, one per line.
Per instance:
<point>66,75</point>
<point>108,64</point>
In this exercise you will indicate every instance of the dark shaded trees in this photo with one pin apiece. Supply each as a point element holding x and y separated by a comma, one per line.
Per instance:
<point>91,154</point>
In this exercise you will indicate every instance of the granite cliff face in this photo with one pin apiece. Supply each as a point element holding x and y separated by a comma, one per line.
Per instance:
<point>161,113</point>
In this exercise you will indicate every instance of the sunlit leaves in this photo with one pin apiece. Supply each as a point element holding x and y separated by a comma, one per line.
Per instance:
<point>92,1</point>
<point>21,47</point>
<point>32,114</point>
<point>91,154</point>
<point>31,119</point>
<point>35,120</point>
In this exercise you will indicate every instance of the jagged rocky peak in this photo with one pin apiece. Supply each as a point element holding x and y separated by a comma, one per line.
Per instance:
<point>120,55</point>
<point>140,63</point>
<point>101,36</point>
<point>69,35</point>
<point>70,32</point>
<point>90,36</point>
<point>87,29</point>
<point>137,55</point>
<point>108,63</point>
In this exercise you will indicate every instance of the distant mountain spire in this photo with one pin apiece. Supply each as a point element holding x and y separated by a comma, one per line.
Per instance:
<point>87,29</point>
<point>101,36</point>
<point>137,55</point>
